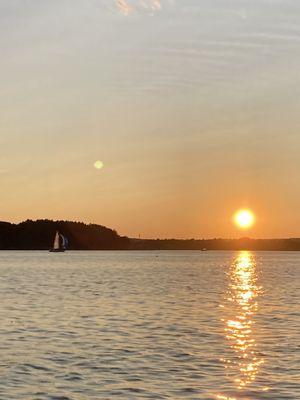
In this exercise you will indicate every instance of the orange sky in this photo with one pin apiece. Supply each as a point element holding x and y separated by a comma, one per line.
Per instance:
<point>193,109</point>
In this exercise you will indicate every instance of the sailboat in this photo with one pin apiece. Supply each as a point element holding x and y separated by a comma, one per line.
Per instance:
<point>60,243</point>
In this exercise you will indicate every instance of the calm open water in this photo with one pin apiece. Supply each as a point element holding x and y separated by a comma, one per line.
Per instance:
<point>150,325</point>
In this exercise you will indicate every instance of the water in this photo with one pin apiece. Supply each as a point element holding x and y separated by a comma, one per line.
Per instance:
<point>153,325</point>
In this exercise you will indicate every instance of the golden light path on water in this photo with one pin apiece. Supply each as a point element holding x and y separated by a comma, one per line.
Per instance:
<point>127,7</point>
<point>239,309</point>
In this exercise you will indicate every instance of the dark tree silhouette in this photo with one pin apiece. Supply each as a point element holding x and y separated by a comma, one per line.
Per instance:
<point>39,235</point>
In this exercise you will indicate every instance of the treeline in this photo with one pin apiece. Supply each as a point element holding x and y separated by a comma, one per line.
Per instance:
<point>218,244</point>
<point>39,235</point>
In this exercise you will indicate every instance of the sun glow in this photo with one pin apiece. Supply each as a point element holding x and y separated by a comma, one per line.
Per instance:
<point>98,164</point>
<point>244,219</point>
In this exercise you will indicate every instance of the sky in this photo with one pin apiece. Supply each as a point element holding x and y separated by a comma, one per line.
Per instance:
<point>192,106</point>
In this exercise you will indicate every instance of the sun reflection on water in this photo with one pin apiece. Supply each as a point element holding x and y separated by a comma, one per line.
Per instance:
<point>240,307</point>
<point>128,7</point>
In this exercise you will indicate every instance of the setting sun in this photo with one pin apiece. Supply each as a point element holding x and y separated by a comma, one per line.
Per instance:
<point>244,219</point>
<point>98,164</point>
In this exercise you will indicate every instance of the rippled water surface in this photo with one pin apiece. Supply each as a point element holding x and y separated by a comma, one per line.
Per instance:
<point>154,325</point>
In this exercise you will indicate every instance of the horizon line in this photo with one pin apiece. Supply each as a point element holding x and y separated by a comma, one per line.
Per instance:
<point>157,238</point>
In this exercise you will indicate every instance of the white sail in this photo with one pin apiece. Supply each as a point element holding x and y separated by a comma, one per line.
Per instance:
<point>56,242</point>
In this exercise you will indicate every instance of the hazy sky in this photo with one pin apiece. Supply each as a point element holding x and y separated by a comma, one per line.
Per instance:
<point>193,108</point>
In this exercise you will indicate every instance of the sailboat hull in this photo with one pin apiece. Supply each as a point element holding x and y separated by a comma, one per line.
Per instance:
<point>57,250</point>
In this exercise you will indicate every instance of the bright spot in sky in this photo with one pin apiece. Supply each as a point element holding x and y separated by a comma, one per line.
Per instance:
<point>98,164</point>
<point>244,219</point>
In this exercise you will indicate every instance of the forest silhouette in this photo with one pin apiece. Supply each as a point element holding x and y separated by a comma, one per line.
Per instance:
<point>39,235</point>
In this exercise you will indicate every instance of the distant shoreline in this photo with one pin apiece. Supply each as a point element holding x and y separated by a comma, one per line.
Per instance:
<point>146,250</point>
<point>38,235</point>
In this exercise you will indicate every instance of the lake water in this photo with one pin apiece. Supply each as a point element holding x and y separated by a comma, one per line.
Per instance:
<point>150,325</point>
